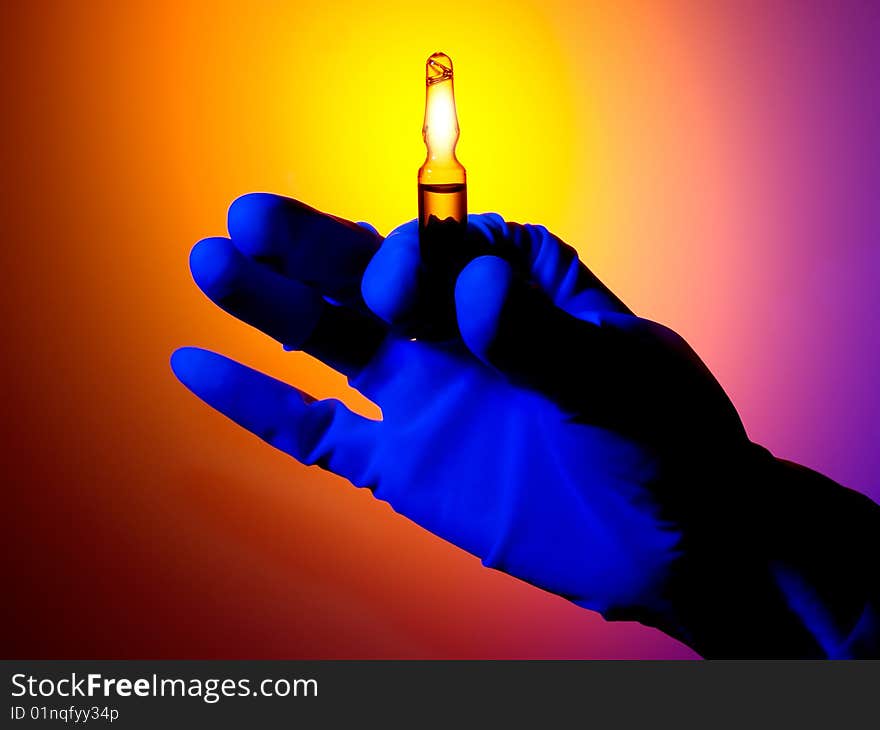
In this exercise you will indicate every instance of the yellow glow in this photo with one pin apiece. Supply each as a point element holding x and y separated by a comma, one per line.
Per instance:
<point>342,133</point>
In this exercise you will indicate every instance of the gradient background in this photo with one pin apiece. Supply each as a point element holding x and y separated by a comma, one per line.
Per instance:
<point>718,165</point>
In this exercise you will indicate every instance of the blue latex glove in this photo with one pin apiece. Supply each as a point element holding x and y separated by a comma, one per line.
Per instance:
<point>557,436</point>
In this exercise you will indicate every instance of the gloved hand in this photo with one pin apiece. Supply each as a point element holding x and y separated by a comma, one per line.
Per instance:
<point>558,436</point>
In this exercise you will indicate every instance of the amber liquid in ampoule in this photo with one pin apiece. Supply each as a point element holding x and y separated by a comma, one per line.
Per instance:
<point>442,203</point>
<point>442,221</point>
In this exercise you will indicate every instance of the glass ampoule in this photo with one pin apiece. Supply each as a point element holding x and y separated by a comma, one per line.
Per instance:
<point>442,178</point>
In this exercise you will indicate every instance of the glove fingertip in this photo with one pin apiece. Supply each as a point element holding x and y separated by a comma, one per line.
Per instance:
<point>390,282</point>
<point>199,370</point>
<point>213,264</point>
<point>480,293</point>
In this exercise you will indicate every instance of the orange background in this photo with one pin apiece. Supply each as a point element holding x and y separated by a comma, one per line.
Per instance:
<point>651,136</point>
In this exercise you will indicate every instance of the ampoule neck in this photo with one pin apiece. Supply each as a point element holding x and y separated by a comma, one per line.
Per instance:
<point>440,129</point>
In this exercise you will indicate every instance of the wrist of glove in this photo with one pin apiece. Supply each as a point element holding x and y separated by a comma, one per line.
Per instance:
<point>783,573</point>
